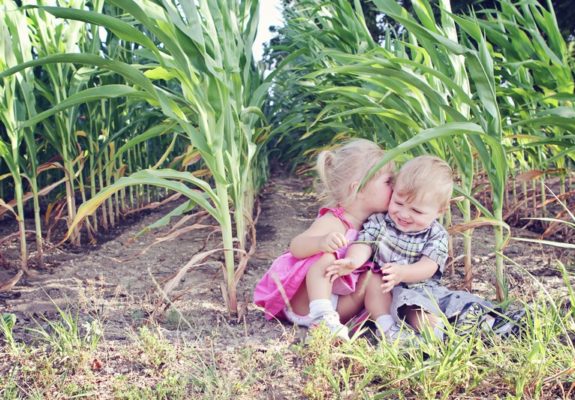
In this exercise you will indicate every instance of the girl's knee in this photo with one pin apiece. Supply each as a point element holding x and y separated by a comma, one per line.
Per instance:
<point>319,267</point>
<point>321,264</point>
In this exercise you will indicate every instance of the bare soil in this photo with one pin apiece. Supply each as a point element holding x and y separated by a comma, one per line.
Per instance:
<point>117,281</point>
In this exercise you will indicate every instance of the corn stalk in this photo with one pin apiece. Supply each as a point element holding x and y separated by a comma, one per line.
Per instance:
<point>10,108</point>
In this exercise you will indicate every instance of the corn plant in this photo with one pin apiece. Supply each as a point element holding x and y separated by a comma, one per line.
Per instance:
<point>12,45</point>
<point>7,323</point>
<point>52,36</point>
<point>112,123</point>
<point>32,37</point>
<point>537,93</point>
<point>204,50</point>
<point>295,110</point>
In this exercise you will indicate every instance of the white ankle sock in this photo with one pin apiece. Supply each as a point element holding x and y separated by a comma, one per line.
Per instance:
<point>319,307</point>
<point>384,322</point>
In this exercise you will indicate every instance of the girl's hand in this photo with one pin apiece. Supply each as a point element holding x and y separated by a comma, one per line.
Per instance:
<point>331,242</point>
<point>390,276</point>
<point>339,268</point>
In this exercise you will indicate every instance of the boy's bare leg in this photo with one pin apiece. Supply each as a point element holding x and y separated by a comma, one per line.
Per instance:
<point>418,319</point>
<point>377,303</point>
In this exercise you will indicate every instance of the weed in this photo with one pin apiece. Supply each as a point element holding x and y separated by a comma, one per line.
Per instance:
<point>65,338</point>
<point>323,373</point>
<point>156,349</point>
<point>539,361</point>
<point>9,386</point>
<point>170,387</point>
<point>76,390</point>
<point>174,320</point>
<point>7,322</point>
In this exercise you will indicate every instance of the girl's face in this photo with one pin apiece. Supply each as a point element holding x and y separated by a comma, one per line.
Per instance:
<point>413,215</point>
<point>377,192</point>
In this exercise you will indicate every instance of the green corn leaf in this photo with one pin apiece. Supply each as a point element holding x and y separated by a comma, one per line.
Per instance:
<point>154,131</point>
<point>145,177</point>
<point>562,245</point>
<point>185,177</point>
<point>85,96</point>
<point>121,29</point>
<point>451,129</point>
<point>129,72</point>
<point>462,192</point>
<point>165,220</point>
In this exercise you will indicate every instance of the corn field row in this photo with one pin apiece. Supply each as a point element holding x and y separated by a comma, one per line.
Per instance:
<point>107,107</point>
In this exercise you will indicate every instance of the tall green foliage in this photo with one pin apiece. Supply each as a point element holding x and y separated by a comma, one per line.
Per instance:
<point>16,102</point>
<point>195,65</point>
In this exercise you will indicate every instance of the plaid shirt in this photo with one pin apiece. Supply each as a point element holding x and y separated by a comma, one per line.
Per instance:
<point>390,245</point>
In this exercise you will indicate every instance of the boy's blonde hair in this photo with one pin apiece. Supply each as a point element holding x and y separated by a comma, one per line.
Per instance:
<point>338,169</point>
<point>425,176</point>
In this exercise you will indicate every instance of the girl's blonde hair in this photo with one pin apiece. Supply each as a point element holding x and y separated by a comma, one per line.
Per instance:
<point>338,169</point>
<point>425,176</point>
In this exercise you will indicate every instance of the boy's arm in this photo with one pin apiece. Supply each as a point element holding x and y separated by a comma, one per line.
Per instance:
<point>325,235</point>
<point>433,257</point>
<point>357,254</point>
<point>394,274</point>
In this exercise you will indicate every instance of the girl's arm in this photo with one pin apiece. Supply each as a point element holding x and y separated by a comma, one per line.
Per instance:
<point>325,235</point>
<point>357,254</point>
<point>394,274</point>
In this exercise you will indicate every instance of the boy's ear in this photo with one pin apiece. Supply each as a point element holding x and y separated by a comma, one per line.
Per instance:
<point>443,210</point>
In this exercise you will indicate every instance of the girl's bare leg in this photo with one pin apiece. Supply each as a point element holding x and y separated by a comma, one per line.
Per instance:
<point>300,301</point>
<point>317,286</point>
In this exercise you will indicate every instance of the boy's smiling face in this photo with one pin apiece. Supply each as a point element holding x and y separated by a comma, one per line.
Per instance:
<point>413,214</point>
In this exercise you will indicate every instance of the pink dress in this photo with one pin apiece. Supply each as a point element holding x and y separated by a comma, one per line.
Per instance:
<point>287,273</point>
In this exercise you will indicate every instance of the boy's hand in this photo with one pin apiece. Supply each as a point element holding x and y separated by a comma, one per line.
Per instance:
<point>390,276</point>
<point>331,242</point>
<point>339,268</point>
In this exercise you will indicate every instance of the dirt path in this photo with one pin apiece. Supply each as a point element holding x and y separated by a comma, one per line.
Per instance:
<point>118,280</point>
